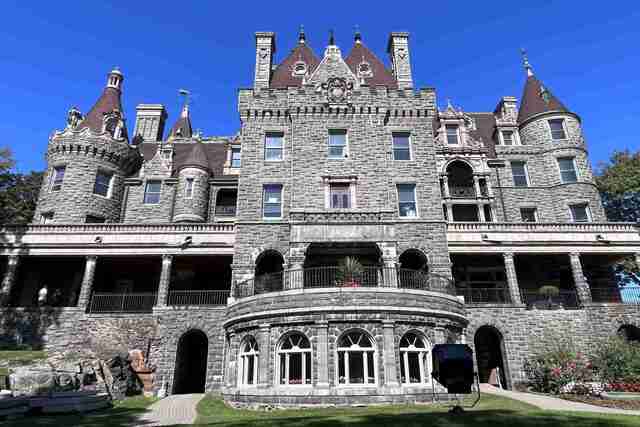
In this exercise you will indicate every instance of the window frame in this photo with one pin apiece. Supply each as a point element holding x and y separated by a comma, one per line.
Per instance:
<point>243,365</point>
<point>109,184</point>
<point>306,356</point>
<point>535,213</point>
<point>587,211</point>
<point>525,173</point>
<point>356,348</point>
<point>575,169</point>
<point>147,192</point>
<point>348,193</point>
<point>424,354</point>
<point>53,186</point>
<point>46,217</point>
<point>447,126</point>
<point>408,148</point>
<point>415,200</point>
<point>235,149</point>
<point>269,135</point>
<point>345,147</point>
<point>189,187</point>
<point>515,140</point>
<point>562,124</point>
<point>264,202</point>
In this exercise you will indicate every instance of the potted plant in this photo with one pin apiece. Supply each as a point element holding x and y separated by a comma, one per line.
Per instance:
<point>349,272</point>
<point>549,291</point>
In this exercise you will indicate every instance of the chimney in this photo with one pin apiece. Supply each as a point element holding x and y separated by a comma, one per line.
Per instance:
<point>265,48</point>
<point>150,119</point>
<point>398,50</point>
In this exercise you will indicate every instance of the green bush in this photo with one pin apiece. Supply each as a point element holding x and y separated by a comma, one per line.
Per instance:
<point>617,361</point>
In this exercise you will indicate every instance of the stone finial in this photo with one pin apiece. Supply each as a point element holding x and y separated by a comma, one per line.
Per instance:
<point>301,36</point>
<point>332,39</point>
<point>358,36</point>
<point>525,62</point>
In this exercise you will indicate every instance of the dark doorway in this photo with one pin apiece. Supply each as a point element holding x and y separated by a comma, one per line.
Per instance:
<point>191,363</point>
<point>490,356</point>
<point>630,333</point>
<point>269,272</point>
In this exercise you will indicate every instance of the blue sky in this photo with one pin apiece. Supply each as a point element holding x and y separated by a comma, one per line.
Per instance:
<point>55,55</point>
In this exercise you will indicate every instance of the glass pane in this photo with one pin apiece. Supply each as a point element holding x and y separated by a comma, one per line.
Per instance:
<point>283,369</point>
<point>307,374</point>
<point>272,210</point>
<point>569,176</point>
<point>528,214</point>
<point>336,152</point>
<point>371,368</point>
<point>402,373</point>
<point>341,375</point>
<point>273,141</point>
<point>452,134</point>
<point>273,154</point>
<point>337,137</point>
<point>579,213</point>
<point>406,192</point>
<point>408,209</point>
<point>153,187</point>
<point>356,367</point>
<point>295,368</point>
<point>414,368</point>
<point>401,154</point>
<point>507,137</point>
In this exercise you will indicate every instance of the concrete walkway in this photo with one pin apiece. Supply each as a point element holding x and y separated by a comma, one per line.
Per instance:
<point>178,409</point>
<point>552,403</point>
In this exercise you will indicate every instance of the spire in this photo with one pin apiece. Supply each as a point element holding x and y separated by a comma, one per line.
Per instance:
<point>301,36</point>
<point>536,97</point>
<point>332,40</point>
<point>108,105</point>
<point>525,62</point>
<point>357,37</point>
<point>182,128</point>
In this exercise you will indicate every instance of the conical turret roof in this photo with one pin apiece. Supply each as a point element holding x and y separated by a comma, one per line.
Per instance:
<point>197,157</point>
<point>108,102</point>
<point>536,97</point>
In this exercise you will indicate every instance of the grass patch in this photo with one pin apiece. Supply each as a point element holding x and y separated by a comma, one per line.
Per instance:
<point>22,357</point>
<point>492,411</point>
<point>124,413</point>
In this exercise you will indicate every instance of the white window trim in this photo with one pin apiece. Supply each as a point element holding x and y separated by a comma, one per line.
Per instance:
<point>231,156</point>
<point>52,177</point>
<point>243,366</point>
<point>526,172</point>
<point>144,192</point>
<point>186,187</point>
<point>415,200</point>
<point>350,181</point>
<point>425,370</point>
<point>272,218</point>
<point>264,147</point>
<point>358,349</point>
<point>458,131</point>
<point>110,188</point>
<point>409,137</point>
<point>345,154</point>
<point>587,210</point>
<point>575,168</point>
<point>515,138</point>
<point>304,352</point>
<point>564,128</point>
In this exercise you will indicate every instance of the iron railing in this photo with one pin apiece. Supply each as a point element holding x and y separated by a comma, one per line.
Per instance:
<point>333,277</point>
<point>566,298</point>
<point>225,210</point>
<point>620,295</point>
<point>122,303</point>
<point>198,297</point>
<point>475,295</point>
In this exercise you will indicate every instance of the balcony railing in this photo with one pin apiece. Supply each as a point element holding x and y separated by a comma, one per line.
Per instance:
<point>619,295</point>
<point>567,299</point>
<point>462,192</point>
<point>332,277</point>
<point>122,303</point>
<point>474,295</point>
<point>225,211</point>
<point>198,297</point>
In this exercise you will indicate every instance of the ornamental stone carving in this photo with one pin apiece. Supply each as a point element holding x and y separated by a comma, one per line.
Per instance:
<point>337,90</point>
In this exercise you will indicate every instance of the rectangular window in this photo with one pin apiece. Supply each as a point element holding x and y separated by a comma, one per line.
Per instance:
<point>529,214</point>
<point>488,214</point>
<point>340,196</point>
<point>452,134</point>
<point>407,200</point>
<point>567,170</point>
<point>580,213</point>
<point>337,144</point>
<point>273,146</point>
<point>507,137</point>
<point>401,146</point>
<point>272,201</point>
<point>519,171</point>
<point>188,188</point>
<point>557,129</point>
<point>46,217</point>
<point>57,177</point>
<point>102,186</point>
<point>235,157</point>
<point>93,219</point>
<point>152,192</point>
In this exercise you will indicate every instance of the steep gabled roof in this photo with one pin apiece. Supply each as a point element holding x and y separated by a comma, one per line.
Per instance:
<point>537,99</point>
<point>182,127</point>
<point>380,75</point>
<point>283,74</point>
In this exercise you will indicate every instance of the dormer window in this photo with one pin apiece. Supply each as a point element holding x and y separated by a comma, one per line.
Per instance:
<point>453,134</point>
<point>299,68</point>
<point>508,137</point>
<point>110,126</point>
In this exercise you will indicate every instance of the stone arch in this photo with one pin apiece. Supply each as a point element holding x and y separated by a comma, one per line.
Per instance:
<point>414,259</point>
<point>629,332</point>
<point>460,175</point>
<point>448,163</point>
<point>269,272</point>
<point>190,372</point>
<point>294,359</point>
<point>491,355</point>
<point>270,260</point>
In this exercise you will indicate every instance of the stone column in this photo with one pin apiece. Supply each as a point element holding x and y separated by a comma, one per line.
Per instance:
<point>87,281</point>
<point>232,361</point>
<point>264,334</point>
<point>213,197</point>
<point>476,185</point>
<point>389,273</point>
<point>582,286</point>
<point>512,278</point>
<point>322,353</point>
<point>481,215</point>
<point>9,279</point>
<point>487,183</point>
<point>389,354</point>
<point>445,186</point>
<point>449,212</point>
<point>165,279</point>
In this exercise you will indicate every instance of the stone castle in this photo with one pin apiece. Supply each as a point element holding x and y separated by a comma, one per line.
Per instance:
<point>317,255</point>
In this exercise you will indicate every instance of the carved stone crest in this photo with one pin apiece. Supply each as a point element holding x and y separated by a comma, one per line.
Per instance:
<point>74,117</point>
<point>338,90</point>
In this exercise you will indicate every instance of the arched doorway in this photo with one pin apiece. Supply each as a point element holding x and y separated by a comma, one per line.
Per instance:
<point>413,272</point>
<point>269,272</point>
<point>630,333</point>
<point>489,348</point>
<point>191,363</point>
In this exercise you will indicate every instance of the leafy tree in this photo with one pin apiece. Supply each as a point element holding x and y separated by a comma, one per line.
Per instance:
<point>6,160</point>
<point>18,192</point>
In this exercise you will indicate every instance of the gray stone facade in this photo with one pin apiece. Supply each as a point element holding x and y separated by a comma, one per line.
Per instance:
<point>445,264</point>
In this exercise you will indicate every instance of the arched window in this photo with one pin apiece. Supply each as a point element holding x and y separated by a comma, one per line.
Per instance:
<point>415,367</point>
<point>248,363</point>
<point>294,360</point>
<point>356,359</point>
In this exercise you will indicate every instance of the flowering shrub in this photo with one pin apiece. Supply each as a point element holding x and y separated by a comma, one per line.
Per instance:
<point>617,361</point>
<point>553,371</point>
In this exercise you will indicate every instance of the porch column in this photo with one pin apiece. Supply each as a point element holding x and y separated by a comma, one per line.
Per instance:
<point>445,186</point>
<point>449,212</point>
<point>476,185</point>
<point>213,197</point>
<point>165,278</point>
<point>87,281</point>
<point>264,347</point>
<point>389,354</point>
<point>512,278</point>
<point>481,215</point>
<point>232,361</point>
<point>9,279</point>
<point>582,286</point>
<point>322,358</point>
<point>487,183</point>
<point>389,273</point>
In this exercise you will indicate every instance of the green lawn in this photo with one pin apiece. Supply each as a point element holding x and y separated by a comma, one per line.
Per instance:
<point>20,358</point>
<point>491,412</point>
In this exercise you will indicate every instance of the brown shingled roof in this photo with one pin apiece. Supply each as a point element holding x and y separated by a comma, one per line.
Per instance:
<point>215,154</point>
<point>533,101</point>
<point>197,157</point>
<point>282,76</point>
<point>108,101</point>
<point>381,76</point>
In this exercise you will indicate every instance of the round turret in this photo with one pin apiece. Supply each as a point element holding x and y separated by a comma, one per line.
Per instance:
<point>192,197</point>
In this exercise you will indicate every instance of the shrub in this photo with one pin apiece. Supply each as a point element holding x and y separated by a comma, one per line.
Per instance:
<point>617,361</point>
